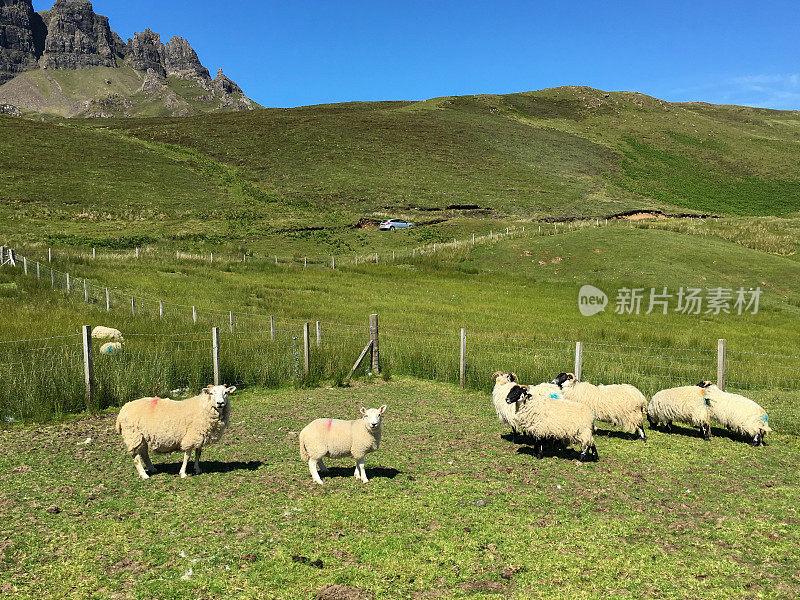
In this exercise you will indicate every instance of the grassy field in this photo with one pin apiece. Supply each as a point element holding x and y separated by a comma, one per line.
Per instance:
<point>453,509</point>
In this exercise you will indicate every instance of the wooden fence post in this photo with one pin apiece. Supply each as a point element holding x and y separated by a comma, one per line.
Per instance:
<point>85,292</point>
<point>721,364</point>
<point>212,258</point>
<point>160,309</point>
<point>319,334</point>
<point>272,327</point>
<point>49,255</point>
<point>67,284</point>
<point>578,360</point>
<point>94,253</point>
<point>473,239</point>
<point>38,273</point>
<point>215,353</point>
<point>25,264</point>
<point>136,251</point>
<point>306,350</point>
<point>108,301</point>
<point>333,262</point>
<point>177,254</point>
<point>305,263</point>
<point>88,366</point>
<point>462,364</point>
<point>230,315</point>
<point>52,278</point>
<point>133,306</point>
<point>194,315</point>
<point>373,336</point>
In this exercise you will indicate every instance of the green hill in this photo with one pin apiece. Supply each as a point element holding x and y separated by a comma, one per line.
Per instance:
<point>268,176</point>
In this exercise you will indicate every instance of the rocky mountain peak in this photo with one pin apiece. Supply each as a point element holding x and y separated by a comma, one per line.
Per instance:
<point>145,51</point>
<point>22,35</point>
<point>182,61</point>
<point>77,38</point>
<point>224,84</point>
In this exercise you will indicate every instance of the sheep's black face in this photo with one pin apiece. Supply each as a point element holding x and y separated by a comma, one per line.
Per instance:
<point>562,379</point>
<point>704,384</point>
<point>516,394</point>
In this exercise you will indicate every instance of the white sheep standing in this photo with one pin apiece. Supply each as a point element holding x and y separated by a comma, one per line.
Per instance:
<point>337,438</point>
<point>163,425</point>
<point>107,333</point>
<point>543,417</point>
<point>622,405</point>
<point>737,412</point>
<point>503,382</point>
<point>685,404</point>
<point>111,348</point>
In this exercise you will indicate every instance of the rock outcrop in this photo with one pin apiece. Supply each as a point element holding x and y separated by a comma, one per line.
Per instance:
<point>22,34</point>
<point>77,38</point>
<point>72,36</point>
<point>180,60</point>
<point>145,52</point>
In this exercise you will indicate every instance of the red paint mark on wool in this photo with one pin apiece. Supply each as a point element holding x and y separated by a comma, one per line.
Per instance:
<point>154,401</point>
<point>330,422</point>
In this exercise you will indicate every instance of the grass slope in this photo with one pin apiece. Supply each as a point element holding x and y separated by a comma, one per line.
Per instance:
<point>452,509</point>
<point>561,153</point>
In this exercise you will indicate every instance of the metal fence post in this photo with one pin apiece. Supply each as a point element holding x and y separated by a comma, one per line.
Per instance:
<point>272,327</point>
<point>215,352</point>
<point>462,364</point>
<point>721,364</point>
<point>319,334</point>
<point>373,336</point>
<point>306,350</point>
<point>88,366</point>
<point>578,360</point>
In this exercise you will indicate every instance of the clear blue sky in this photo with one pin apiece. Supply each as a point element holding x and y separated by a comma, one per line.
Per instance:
<point>302,52</point>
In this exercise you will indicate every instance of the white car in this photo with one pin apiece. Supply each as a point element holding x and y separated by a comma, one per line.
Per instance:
<point>393,224</point>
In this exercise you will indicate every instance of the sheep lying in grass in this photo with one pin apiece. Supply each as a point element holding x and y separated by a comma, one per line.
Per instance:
<point>335,438</point>
<point>163,425</point>
<point>107,333</point>
<point>737,412</point>
<point>685,404</point>
<point>111,348</point>
<point>545,418</point>
<point>620,404</point>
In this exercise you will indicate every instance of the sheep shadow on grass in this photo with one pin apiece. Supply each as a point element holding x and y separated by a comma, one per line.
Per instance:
<point>679,430</point>
<point>613,433</point>
<point>372,472</point>
<point>211,466</point>
<point>552,451</point>
<point>732,434</point>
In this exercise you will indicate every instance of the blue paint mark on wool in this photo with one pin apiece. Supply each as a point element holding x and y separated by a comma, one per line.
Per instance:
<point>554,396</point>
<point>764,418</point>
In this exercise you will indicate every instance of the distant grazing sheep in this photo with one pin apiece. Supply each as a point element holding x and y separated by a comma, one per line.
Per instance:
<point>686,404</point>
<point>737,412</point>
<point>107,333</point>
<point>620,404</point>
<point>544,418</point>
<point>163,425</point>
<point>336,438</point>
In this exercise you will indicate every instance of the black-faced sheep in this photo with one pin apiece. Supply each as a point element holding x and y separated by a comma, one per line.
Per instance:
<point>163,425</point>
<point>545,418</point>
<point>619,404</point>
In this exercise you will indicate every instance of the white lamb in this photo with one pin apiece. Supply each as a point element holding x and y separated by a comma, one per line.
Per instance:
<point>685,404</point>
<point>619,404</point>
<point>111,348</point>
<point>545,418</point>
<point>737,413</point>
<point>107,333</point>
<point>336,438</point>
<point>163,425</point>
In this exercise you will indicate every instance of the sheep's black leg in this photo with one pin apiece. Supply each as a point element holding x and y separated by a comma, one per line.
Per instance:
<point>668,425</point>
<point>706,431</point>
<point>584,451</point>
<point>641,433</point>
<point>756,440</point>
<point>540,450</point>
<point>652,422</point>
